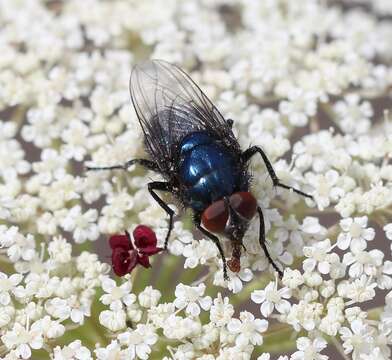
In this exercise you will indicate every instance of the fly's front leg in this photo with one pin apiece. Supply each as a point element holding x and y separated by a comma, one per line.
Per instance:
<point>143,162</point>
<point>215,239</point>
<point>262,242</point>
<point>162,186</point>
<point>247,154</point>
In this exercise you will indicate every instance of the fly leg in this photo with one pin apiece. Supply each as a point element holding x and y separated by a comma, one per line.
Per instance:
<point>262,242</point>
<point>216,241</point>
<point>247,154</point>
<point>230,122</point>
<point>143,162</point>
<point>162,186</point>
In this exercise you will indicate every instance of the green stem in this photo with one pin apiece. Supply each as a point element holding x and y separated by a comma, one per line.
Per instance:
<point>168,270</point>
<point>278,340</point>
<point>339,347</point>
<point>375,313</point>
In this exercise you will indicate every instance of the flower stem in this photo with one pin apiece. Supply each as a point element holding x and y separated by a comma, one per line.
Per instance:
<point>339,348</point>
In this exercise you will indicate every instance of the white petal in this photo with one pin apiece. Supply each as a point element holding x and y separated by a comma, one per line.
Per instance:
<point>24,351</point>
<point>283,306</point>
<point>324,267</point>
<point>346,223</point>
<point>266,308</point>
<point>343,241</point>
<point>369,234</point>
<point>193,309</point>
<point>309,264</point>
<point>234,326</point>
<point>258,296</point>
<point>205,302</point>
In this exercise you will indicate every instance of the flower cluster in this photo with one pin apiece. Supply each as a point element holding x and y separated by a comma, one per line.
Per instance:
<point>309,81</point>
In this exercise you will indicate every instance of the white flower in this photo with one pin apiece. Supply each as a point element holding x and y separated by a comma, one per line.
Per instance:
<point>300,106</point>
<point>52,166</point>
<point>12,160</point>
<point>7,285</point>
<point>160,313</point>
<point>363,262</point>
<point>113,213</point>
<point>248,329</point>
<point>358,339</point>
<point>79,309</point>
<point>60,250</point>
<point>88,264</point>
<point>49,328</point>
<point>327,188</point>
<point>73,350</point>
<point>305,314</point>
<point>235,352</point>
<point>312,228</point>
<point>384,275</point>
<point>84,226</point>
<point>199,252</point>
<point>111,352</point>
<point>19,247</point>
<point>388,231</point>
<point>292,278</point>
<point>236,279</point>
<point>6,315</point>
<point>58,308</point>
<point>47,224</point>
<point>221,311</point>
<point>23,340</point>
<point>139,341</point>
<point>355,234</point>
<point>176,327</point>
<point>359,290</point>
<point>149,297</point>
<point>318,255</point>
<point>190,298</point>
<point>113,320</point>
<point>271,298</point>
<point>75,137</point>
<point>267,356</point>
<point>59,192</point>
<point>41,285</point>
<point>332,322</point>
<point>309,350</point>
<point>115,295</point>
<point>291,230</point>
<point>184,351</point>
<point>353,116</point>
<point>42,127</point>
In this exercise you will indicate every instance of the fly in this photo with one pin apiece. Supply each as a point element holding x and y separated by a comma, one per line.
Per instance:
<point>192,146</point>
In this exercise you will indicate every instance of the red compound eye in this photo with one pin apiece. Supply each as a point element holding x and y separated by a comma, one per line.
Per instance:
<point>244,203</point>
<point>215,217</point>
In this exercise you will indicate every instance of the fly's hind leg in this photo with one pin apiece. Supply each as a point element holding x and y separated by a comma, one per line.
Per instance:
<point>247,154</point>
<point>143,162</point>
<point>262,242</point>
<point>162,186</point>
<point>215,239</point>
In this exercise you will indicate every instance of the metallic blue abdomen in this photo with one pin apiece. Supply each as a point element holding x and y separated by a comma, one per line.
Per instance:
<point>207,169</point>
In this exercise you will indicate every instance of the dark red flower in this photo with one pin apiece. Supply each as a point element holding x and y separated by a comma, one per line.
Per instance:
<point>145,240</point>
<point>126,255</point>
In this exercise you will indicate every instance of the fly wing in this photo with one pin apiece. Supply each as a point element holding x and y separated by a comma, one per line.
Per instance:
<point>169,106</point>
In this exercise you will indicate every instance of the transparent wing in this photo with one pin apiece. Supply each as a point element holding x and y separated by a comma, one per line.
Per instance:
<point>170,105</point>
